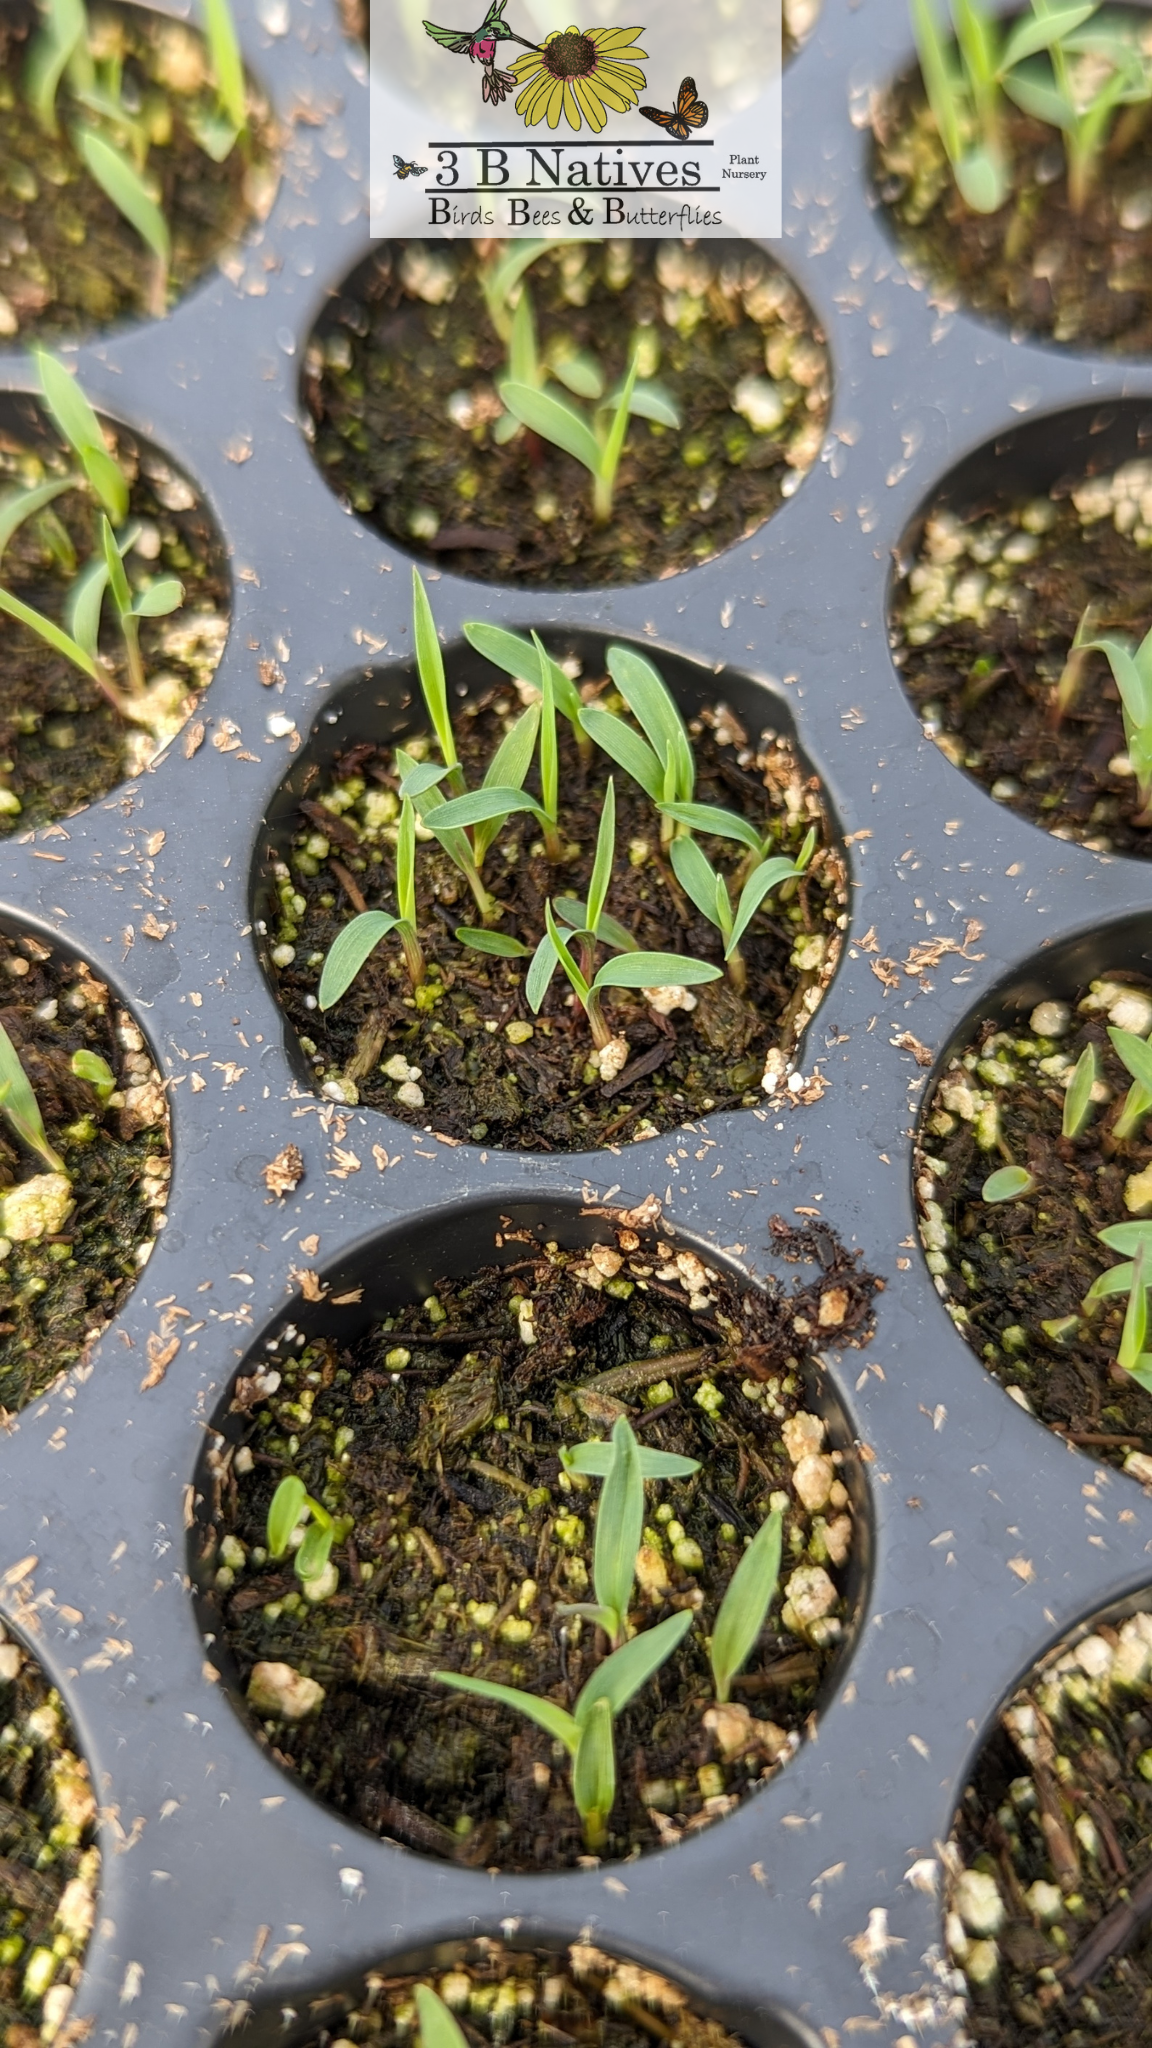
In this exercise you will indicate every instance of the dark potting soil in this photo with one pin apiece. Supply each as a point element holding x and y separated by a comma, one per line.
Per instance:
<point>1035,265</point>
<point>1050,1878</point>
<point>443,1448</point>
<point>483,1066</point>
<point>399,382</point>
<point>59,1291</point>
<point>49,1864</point>
<point>62,744</point>
<point>1014,1274</point>
<point>69,261</point>
<point>983,621</point>
<point>518,1997</point>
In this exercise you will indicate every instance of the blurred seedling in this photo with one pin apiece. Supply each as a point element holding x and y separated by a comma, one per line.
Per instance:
<point>290,1505</point>
<point>20,1109</point>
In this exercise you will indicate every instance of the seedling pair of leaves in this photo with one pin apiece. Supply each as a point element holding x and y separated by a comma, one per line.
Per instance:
<point>1133,1278</point>
<point>291,1503</point>
<point>105,576</point>
<point>709,890</point>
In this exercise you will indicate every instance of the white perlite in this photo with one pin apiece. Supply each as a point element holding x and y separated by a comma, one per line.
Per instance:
<point>282,1693</point>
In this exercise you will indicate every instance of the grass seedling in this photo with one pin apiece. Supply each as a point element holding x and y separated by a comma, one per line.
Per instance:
<point>1078,1100</point>
<point>1052,89</point>
<point>430,668</point>
<point>594,1460</point>
<point>218,128</point>
<point>352,947</point>
<point>1136,1054</point>
<point>596,442</point>
<point>709,892</point>
<point>1072,673</point>
<point>1008,1184</point>
<point>619,1530</point>
<point>1131,667</point>
<point>20,1109</point>
<point>662,761</point>
<point>418,782</point>
<point>290,1504</point>
<point>1132,1278</point>
<point>88,1066</point>
<point>438,2029</point>
<point>525,660</point>
<point>745,1605</point>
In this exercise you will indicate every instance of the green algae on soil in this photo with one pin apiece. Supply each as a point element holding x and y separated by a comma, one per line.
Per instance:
<point>983,621</point>
<point>1013,1275</point>
<point>69,261</point>
<point>489,1069</point>
<point>399,383</point>
<point>62,744</point>
<point>49,1863</point>
<point>438,1433</point>
<point>58,1293</point>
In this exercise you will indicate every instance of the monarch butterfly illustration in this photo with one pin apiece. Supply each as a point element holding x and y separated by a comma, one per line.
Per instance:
<point>690,112</point>
<point>404,170</point>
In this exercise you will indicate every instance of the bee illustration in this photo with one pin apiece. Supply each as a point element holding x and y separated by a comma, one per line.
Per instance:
<point>690,112</point>
<point>404,170</point>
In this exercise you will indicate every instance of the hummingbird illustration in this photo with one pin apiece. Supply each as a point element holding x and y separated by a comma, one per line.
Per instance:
<point>479,46</point>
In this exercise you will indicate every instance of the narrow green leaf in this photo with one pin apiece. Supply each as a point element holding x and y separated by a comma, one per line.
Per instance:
<point>117,580</point>
<point>625,747</point>
<point>499,279</point>
<point>1008,1184</point>
<point>760,883</point>
<point>21,1107</point>
<point>649,700</point>
<point>552,420</point>
<point>430,666</point>
<point>518,657</point>
<point>502,944</point>
<point>649,401</point>
<point>227,62</point>
<point>655,970</point>
<point>438,2029</point>
<point>478,807</point>
<point>979,39</point>
<point>213,131</point>
<point>1136,1054</point>
<point>719,823</point>
<point>85,604</point>
<point>1116,1280</point>
<point>745,1605</point>
<point>513,757</point>
<point>608,930</point>
<point>600,1617</point>
<point>564,957</point>
<point>1036,95</point>
<point>945,94</point>
<point>1135,1332</point>
<point>62,642</point>
<point>1033,33</point>
<point>1127,1238</point>
<point>313,1554</point>
<point>697,877</point>
<point>595,1458</point>
<point>555,1720</point>
<point>594,1773</point>
<point>18,506</point>
<point>602,865</point>
<point>65,25</point>
<point>420,777</point>
<point>285,1510</point>
<point>545,961</point>
<point>523,360</point>
<point>81,429</point>
<point>164,596</point>
<point>613,447</point>
<point>118,177</point>
<point>549,757</point>
<point>628,1668</point>
<point>348,952</point>
<point>90,1067</point>
<point>580,374</point>
<point>619,1525</point>
<point>1078,1100</point>
<point>406,862</point>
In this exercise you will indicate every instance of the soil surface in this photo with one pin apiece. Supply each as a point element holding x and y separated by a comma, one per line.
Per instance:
<point>49,1865</point>
<point>68,259</point>
<point>443,1448</point>
<point>1035,265</point>
<point>579,1995</point>
<point>488,1069</point>
<point>1051,1884</point>
<point>62,744</point>
<point>1014,1274</point>
<point>399,382</point>
<point>983,622</point>
<point>58,1292</point>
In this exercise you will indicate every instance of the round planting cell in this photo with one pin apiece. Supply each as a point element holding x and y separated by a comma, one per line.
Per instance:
<point>63,740</point>
<point>69,260</point>
<point>85,1161</point>
<point>400,384</point>
<point>1034,545</point>
<point>1048,1885</point>
<point>1037,263</point>
<point>422,1401</point>
<point>49,1862</point>
<point>463,1052</point>
<point>1035,1139</point>
<point>512,1997</point>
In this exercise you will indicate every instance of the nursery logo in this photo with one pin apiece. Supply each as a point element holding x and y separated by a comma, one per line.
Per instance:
<point>529,124</point>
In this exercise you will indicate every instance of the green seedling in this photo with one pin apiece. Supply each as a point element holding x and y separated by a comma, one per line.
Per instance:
<point>745,1605</point>
<point>662,761</point>
<point>218,128</point>
<point>418,781</point>
<point>1078,1100</point>
<point>965,79</point>
<point>20,1109</point>
<point>1133,1279</point>
<point>291,1504</point>
<point>587,923</point>
<point>1136,1054</point>
<point>88,1066</point>
<point>430,668</point>
<point>1008,1184</point>
<point>594,1460</point>
<point>485,810</point>
<point>708,890</point>
<point>1048,87</point>
<point>525,660</point>
<point>499,278</point>
<point>619,1530</point>
<point>359,939</point>
<point>596,442</point>
<point>437,2027</point>
<point>1131,667</point>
